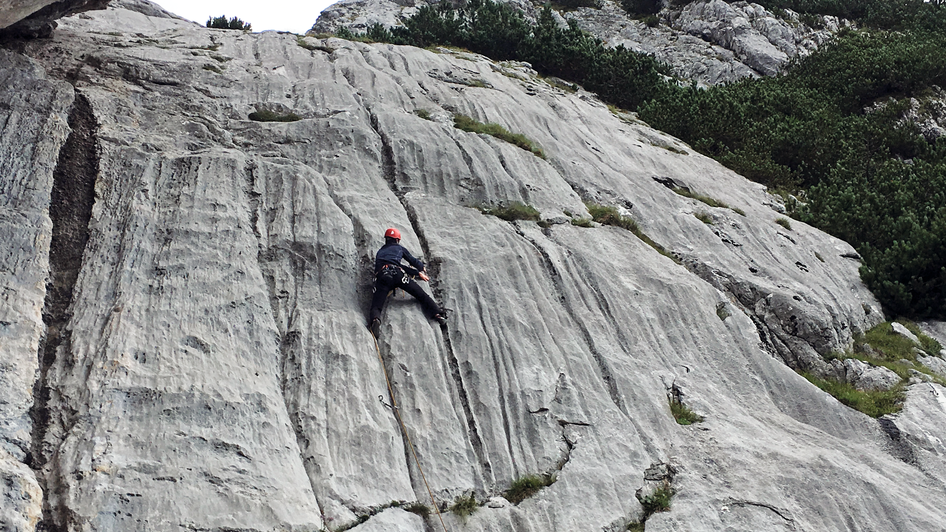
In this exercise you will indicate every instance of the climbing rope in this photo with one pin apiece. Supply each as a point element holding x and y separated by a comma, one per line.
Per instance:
<point>410,444</point>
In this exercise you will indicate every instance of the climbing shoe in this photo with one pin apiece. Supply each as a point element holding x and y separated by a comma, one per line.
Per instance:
<point>375,327</point>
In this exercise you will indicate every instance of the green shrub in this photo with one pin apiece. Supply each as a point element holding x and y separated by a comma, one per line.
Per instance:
<point>784,223</point>
<point>651,21</point>
<point>464,505</point>
<point>468,124</point>
<point>271,116</point>
<point>641,7</point>
<point>524,487</point>
<point>423,113</point>
<point>513,211</point>
<point>658,501</point>
<point>418,508</point>
<point>571,5</point>
<point>872,403</point>
<point>223,23</point>
<point>682,414</point>
<point>582,222</point>
<point>704,217</point>
<point>497,30</point>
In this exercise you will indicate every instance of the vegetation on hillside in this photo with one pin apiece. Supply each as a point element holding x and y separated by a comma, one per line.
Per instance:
<point>223,23</point>
<point>834,129</point>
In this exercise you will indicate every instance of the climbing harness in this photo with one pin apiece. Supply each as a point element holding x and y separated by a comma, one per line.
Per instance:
<point>397,413</point>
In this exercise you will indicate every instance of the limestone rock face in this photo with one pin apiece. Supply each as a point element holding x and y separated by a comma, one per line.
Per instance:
<point>707,41</point>
<point>12,11</point>
<point>864,376</point>
<point>755,36</point>
<point>37,18</point>
<point>33,128</point>
<point>202,362</point>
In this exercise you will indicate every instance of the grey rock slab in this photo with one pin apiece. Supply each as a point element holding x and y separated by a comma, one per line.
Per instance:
<point>924,407</point>
<point>12,11</point>
<point>33,127</point>
<point>900,329</point>
<point>219,353</point>
<point>393,519</point>
<point>936,364</point>
<point>864,376</point>
<point>181,405</point>
<point>20,494</point>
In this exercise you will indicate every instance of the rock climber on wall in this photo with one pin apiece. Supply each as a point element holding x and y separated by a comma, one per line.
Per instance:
<point>391,274</point>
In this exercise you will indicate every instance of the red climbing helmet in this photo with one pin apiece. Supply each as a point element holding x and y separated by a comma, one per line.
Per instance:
<point>392,233</point>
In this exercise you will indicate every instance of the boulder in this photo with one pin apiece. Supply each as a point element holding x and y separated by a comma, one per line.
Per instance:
<point>900,329</point>
<point>935,364</point>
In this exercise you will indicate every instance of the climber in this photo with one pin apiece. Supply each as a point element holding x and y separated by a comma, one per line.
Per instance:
<point>391,274</point>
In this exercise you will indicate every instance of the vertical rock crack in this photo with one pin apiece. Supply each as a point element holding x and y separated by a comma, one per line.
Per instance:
<point>70,209</point>
<point>389,168</point>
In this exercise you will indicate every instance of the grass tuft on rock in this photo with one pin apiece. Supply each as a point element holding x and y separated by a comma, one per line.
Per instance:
<point>468,124</point>
<point>784,223</point>
<point>893,346</point>
<point>712,202</point>
<point>583,222</point>
<point>704,217</point>
<point>513,211</point>
<point>464,505</point>
<point>683,414</point>
<point>418,508</point>
<point>605,215</point>
<point>657,501</point>
<point>872,403</point>
<point>524,487</point>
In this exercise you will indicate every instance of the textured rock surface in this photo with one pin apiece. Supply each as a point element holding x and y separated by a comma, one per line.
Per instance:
<point>37,18</point>
<point>212,370</point>
<point>900,329</point>
<point>755,36</point>
<point>864,376</point>
<point>708,41</point>
<point>12,11</point>
<point>33,116</point>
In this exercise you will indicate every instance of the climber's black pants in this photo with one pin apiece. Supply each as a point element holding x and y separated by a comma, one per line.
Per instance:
<point>387,281</point>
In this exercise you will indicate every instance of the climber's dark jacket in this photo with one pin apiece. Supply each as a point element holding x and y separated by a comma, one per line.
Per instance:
<point>392,253</point>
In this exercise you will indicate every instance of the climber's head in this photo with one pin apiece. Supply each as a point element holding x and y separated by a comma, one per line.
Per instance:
<point>392,233</point>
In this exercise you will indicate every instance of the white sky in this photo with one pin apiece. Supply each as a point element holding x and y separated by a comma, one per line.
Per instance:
<point>296,16</point>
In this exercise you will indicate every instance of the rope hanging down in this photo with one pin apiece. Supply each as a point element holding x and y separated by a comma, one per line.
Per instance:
<point>410,444</point>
